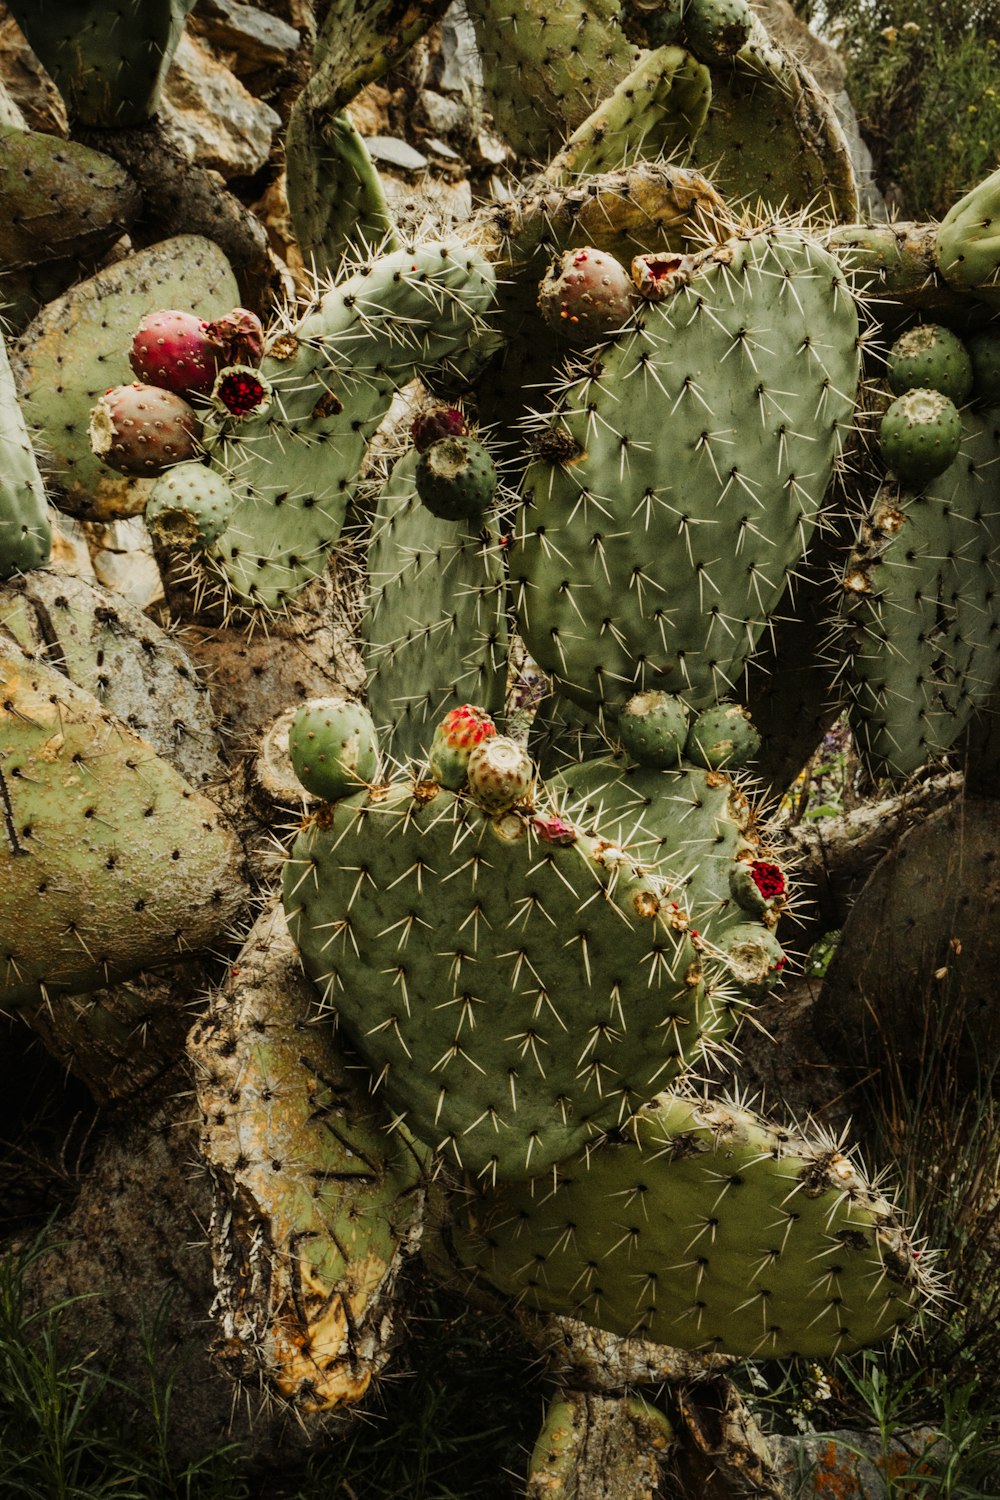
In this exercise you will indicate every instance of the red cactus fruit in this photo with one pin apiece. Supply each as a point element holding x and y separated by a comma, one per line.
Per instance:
<point>141,429</point>
<point>455,738</point>
<point>176,351</point>
<point>586,295</point>
<point>768,878</point>
<point>240,337</point>
<point>553,830</point>
<point>436,423</point>
<point>242,391</point>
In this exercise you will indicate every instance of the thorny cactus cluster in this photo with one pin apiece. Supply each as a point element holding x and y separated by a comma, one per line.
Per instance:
<point>646,401</point>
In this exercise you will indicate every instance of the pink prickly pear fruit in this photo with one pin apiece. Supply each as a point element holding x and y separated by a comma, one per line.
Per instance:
<point>437,422</point>
<point>141,430</point>
<point>176,351</point>
<point>242,391</point>
<point>586,295</point>
<point>455,738</point>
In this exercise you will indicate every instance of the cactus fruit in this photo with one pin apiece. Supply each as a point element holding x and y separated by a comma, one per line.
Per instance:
<point>435,423</point>
<point>586,295</point>
<point>703,1227</point>
<point>932,358</point>
<point>456,479</point>
<point>141,429</point>
<point>174,349</point>
<point>920,436</point>
<point>333,747</point>
<point>190,507</point>
<point>460,732</point>
<point>722,737</point>
<point>241,391</point>
<point>499,773</point>
<point>716,30</point>
<point>653,728</point>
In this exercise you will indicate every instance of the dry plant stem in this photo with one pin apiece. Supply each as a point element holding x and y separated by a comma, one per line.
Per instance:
<point>186,199</point>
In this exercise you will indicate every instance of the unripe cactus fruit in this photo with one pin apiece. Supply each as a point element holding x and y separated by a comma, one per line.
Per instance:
<point>585,295</point>
<point>929,357</point>
<point>500,774</point>
<point>653,728</point>
<point>920,436</point>
<point>242,391</point>
<point>456,479</point>
<point>455,738</point>
<point>141,429</point>
<point>333,747</point>
<point>436,423</point>
<point>722,736</point>
<point>190,506</point>
<point>715,30</point>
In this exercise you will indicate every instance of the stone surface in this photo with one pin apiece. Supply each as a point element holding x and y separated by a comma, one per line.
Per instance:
<point>254,38</point>
<point>29,86</point>
<point>123,560</point>
<point>852,1466</point>
<point>211,117</point>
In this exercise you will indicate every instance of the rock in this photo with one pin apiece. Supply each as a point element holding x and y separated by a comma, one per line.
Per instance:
<point>253,38</point>
<point>851,1465</point>
<point>35,96</point>
<point>395,153</point>
<point>123,560</point>
<point>211,117</point>
<point>441,114</point>
<point>10,110</point>
<point>460,68</point>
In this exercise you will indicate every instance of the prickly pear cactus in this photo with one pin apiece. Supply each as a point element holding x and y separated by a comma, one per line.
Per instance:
<point>110,861</point>
<point>698,447</point>
<point>25,532</point>
<point>511,990</point>
<point>315,1203</point>
<point>702,1227</point>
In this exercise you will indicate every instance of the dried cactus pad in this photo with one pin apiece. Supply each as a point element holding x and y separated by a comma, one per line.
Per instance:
<point>703,1227</point>
<point>109,861</point>
<point>511,995</point>
<point>701,445</point>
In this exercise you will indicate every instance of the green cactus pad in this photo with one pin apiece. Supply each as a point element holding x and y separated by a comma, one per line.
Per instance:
<point>703,1227</point>
<point>315,1203</point>
<point>109,61</point>
<point>61,199</point>
<point>333,747</point>
<point>920,610</point>
<point>968,242</point>
<point>25,532</point>
<point>434,631</point>
<point>984,352</point>
<point>511,995</point>
<point>110,862</point>
<point>932,358</point>
<point>699,450</point>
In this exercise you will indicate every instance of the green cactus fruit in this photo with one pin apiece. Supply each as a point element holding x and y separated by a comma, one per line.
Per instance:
<point>500,774</point>
<point>456,479</point>
<point>434,630</point>
<point>723,736</point>
<point>968,242</point>
<point>109,62</point>
<point>190,507</point>
<point>586,295</point>
<point>78,346</point>
<point>61,199</point>
<point>920,436</point>
<point>333,747</point>
<point>984,352</point>
<point>511,993</point>
<point>654,25</point>
<point>110,862</point>
<point>315,1203</point>
<point>25,532</point>
<point>695,426</point>
<point>931,358</point>
<point>704,1227</point>
<point>461,731</point>
<point>716,30</point>
<point>653,728</point>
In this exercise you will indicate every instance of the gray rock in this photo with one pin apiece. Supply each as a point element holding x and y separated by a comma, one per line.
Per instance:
<point>852,1466</point>
<point>257,38</point>
<point>442,114</point>
<point>395,153</point>
<point>211,117</point>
